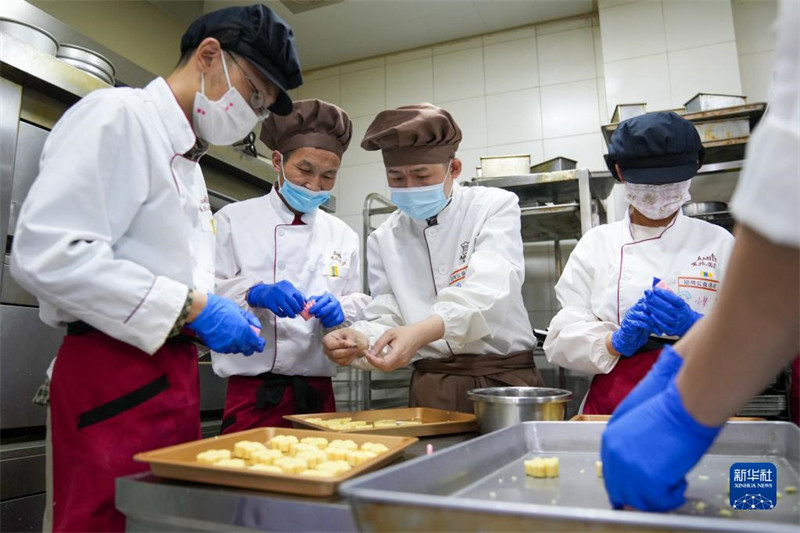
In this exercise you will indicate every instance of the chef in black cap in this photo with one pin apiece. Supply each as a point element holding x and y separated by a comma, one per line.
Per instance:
<point>446,271</point>
<point>280,254</point>
<point>632,286</point>
<point>116,240</point>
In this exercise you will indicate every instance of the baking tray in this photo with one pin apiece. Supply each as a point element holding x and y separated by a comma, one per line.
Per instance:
<point>179,462</point>
<point>434,421</point>
<point>604,418</point>
<point>480,485</point>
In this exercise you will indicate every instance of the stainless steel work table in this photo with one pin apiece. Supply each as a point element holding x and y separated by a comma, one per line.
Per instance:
<point>155,504</point>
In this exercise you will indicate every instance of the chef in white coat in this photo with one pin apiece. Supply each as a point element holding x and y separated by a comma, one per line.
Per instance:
<point>445,271</point>
<point>613,322</point>
<point>279,252</point>
<point>653,443</point>
<point>116,240</point>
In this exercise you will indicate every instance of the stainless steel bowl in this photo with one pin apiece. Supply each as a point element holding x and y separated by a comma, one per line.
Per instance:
<point>89,69</point>
<point>696,209</point>
<point>88,61</point>
<point>499,407</point>
<point>30,35</point>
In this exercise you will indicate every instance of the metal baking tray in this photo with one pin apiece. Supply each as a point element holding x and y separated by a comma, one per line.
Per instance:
<point>707,102</point>
<point>626,111</point>
<point>434,421</point>
<point>480,485</point>
<point>553,165</point>
<point>493,166</point>
<point>605,418</point>
<point>179,462</point>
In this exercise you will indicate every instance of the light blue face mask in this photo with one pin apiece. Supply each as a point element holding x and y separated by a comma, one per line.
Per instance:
<point>421,203</point>
<point>300,198</point>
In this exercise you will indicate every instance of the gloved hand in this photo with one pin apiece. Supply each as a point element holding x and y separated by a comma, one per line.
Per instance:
<point>633,331</point>
<point>662,372</point>
<point>670,313</point>
<point>226,328</point>
<point>327,309</point>
<point>281,298</point>
<point>649,450</point>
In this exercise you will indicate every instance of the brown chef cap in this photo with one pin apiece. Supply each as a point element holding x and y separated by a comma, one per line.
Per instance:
<point>413,134</point>
<point>311,124</point>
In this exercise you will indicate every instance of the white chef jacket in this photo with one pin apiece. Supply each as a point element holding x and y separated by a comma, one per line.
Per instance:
<point>767,197</point>
<point>257,243</point>
<point>468,269</point>
<point>117,226</point>
<point>608,272</point>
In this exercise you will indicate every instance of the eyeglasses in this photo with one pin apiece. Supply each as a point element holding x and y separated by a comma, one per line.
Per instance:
<point>256,98</point>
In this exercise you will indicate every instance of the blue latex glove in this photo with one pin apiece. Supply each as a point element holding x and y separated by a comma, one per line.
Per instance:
<point>665,368</point>
<point>327,309</point>
<point>670,313</point>
<point>281,298</point>
<point>649,450</point>
<point>226,328</point>
<point>633,331</point>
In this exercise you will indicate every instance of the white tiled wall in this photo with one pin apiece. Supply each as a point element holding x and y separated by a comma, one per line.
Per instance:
<point>663,52</point>
<point>545,90</point>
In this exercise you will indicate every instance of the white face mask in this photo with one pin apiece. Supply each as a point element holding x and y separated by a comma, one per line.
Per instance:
<point>225,121</point>
<point>657,202</point>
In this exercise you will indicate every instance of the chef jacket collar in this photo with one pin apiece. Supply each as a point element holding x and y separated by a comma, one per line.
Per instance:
<point>179,130</point>
<point>285,215</point>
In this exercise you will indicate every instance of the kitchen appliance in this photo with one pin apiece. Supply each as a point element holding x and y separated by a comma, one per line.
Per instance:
<point>88,61</point>
<point>30,34</point>
<point>499,407</point>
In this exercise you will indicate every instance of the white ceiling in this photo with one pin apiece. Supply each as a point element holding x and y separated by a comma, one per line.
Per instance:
<point>356,29</point>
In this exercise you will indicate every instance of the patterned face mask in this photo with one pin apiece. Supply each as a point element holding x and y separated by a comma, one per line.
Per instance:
<point>657,202</point>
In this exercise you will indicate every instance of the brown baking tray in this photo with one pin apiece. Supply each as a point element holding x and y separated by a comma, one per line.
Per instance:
<point>179,462</point>
<point>434,421</point>
<point>605,418</point>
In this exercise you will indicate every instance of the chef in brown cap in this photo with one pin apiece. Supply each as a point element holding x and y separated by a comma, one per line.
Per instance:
<point>292,265</point>
<point>445,272</point>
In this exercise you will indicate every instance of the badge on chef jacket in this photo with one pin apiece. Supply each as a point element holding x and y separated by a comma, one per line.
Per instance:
<point>336,262</point>
<point>753,486</point>
<point>458,276</point>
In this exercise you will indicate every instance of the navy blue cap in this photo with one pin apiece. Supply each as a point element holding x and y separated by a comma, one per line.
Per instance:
<point>655,148</point>
<point>259,35</point>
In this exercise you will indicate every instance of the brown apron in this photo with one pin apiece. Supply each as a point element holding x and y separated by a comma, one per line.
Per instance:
<point>443,383</point>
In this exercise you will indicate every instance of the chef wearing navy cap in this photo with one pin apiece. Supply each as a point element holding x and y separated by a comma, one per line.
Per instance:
<point>116,240</point>
<point>632,286</point>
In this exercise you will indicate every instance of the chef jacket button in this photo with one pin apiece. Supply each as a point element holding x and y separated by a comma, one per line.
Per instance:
<point>281,265</point>
<point>442,270</point>
<point>432,231</point>
<point>281,233</point>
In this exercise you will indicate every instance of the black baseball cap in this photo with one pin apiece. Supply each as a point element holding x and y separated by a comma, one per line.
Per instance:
<point>259,35</point>
<point>655,148</point>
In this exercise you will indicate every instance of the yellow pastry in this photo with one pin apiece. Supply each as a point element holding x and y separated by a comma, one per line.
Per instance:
<point>358,457</point>
<point>282,442</point>
<point>231,463</point>
<point>265,457</point>
<point>209,457</point>
<point>319,442</point>
<point>337,467</point>
<point>245,448</point>
<point>313,457</point>
<point>346,444</point>
<point>298,447</point>
<point>291,465</point>
<point>374,447</point>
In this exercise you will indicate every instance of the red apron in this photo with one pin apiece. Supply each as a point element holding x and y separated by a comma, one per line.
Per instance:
<point>608,390</point>
<point>109,401</point>
<point>262,401</point>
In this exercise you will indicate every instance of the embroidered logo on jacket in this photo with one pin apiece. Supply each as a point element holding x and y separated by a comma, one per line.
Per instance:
<point>458,276</point>
<point>464,250</point>
<point>709,261</point>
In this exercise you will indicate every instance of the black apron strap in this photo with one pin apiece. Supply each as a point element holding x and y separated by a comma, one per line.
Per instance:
<point>306,398</point>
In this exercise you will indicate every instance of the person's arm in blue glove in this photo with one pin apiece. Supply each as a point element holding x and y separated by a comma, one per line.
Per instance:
<point>225,327</point>
<point>281,298</point>
<point>670,313</point>
<point>633,331</point>
<point>649,450</point>
<point>327,309</point>
<point>662,372</point>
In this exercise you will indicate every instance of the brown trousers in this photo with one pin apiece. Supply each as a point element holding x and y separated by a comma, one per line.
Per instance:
<point>443,383</point>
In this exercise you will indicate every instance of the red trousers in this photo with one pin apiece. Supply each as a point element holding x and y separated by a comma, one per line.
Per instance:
<point>608,390</point>
<point>242,409</point>
<point>109,401</point>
